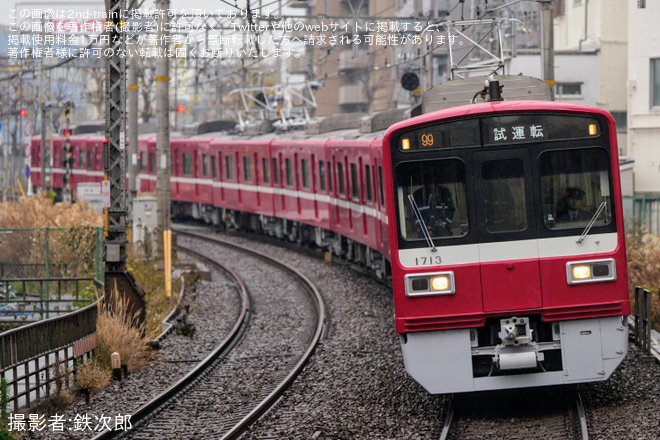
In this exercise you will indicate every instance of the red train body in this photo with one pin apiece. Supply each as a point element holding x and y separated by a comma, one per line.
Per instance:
<point>512,306</point>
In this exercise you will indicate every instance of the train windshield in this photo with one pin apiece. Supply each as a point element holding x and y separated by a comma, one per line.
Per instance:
<point>432,195</point>
<point>575,186</point>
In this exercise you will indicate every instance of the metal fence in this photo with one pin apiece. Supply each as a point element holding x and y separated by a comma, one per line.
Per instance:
<point>43,272</point>
<point>642,212</point>
<point>48,270</point>
<point>643,317</point>
<point>40,358</point>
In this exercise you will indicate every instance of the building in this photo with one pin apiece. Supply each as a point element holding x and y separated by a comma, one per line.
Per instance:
<point>643,92</point>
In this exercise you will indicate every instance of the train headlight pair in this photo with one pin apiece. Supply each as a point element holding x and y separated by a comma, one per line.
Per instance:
<point>578,272</point>
<point>425,284</point>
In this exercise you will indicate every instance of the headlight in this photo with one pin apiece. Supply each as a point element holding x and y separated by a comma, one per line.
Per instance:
<point>441,283</point>
<point>590,271</point>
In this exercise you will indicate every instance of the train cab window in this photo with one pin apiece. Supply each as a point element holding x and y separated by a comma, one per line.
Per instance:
<point>247,169</point>
<point>205,165</point>
<point>266,168</point>
<point>289,172</point>
<point>340,179</point>
<point>81,159</point>
<point>576,188</point>
<point>330,187</point>
<point>432,198</point>
<point>90,159</point>
<point>214,167</point>
<point>504,195</point>
<point>187,164</point>
<point>304,165</point>
<point>355,182</point>
<point>322,175</point>
<point>276,172</point>
<point>229,162</point>
<point>152,163</point>
<point>370,191</point>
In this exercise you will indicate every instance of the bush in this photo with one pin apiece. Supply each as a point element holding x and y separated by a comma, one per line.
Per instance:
<point>92,377</point>
<point>117,333</point>
<point>643,251</point>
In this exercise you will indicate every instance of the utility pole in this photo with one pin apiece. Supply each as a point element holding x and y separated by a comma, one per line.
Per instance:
<point>163,143</point>
<point>118,282</point>
<point>163,123</point>
<point>547,41</point>
<point>132,120</point>
<point>42,87</point>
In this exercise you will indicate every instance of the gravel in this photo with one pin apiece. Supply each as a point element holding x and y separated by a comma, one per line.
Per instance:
<point>355,385</point>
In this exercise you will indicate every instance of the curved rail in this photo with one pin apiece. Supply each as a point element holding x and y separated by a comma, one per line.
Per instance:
<point>150,407</point>
<point>582,416</point>
<point>239,428</point>
<point>270,400</point>
<point>449,419</point>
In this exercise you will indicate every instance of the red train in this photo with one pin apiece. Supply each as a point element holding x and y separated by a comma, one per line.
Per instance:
<point>471,208</point>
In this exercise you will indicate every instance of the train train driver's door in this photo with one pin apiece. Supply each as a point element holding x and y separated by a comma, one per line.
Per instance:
<point>510,273</point>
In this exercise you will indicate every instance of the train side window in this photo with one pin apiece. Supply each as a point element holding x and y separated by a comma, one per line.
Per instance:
<point>214,167</point>
<point>304,165</point>
<point>504,195</point>
<point>152,163</point>
<point>247,169</point>
<point>143,161</point>
<point>229,161</point>
<point>355,182</point>
<point>81,159</point>
<point>574,185</point>
<point>340,179</point>
<point>205,164</point>
<point>276,172</point>
<point>322,175</point>
<point>187,164</point>
<point>380,184</point>
<point>330,187</point>
<point>289,172</point>
<point>266,169</point>
<point>370,191</point>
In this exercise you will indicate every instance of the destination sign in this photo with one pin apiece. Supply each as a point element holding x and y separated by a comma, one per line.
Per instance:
<point>501,129</point>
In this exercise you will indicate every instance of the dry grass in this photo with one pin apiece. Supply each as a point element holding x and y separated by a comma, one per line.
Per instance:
<point>39,212</point>
<point>117,333</point>
<point>644,267</point>
<point>92,376</point>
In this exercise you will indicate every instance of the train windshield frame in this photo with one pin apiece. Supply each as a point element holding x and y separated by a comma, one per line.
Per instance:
<point>484,188</point>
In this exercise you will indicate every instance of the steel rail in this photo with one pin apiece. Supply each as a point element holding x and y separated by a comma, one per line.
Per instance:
<point>582,416</point>
<point>270,400</point>
<point>146,410</point>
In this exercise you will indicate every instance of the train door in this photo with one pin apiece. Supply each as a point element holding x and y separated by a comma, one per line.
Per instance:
<point>314,187</point>
<point>510,272</point>
<point>195,172</point>
<point>256,179</point>
<point>177,170</point>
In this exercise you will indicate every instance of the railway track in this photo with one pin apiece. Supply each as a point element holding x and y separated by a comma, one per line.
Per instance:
<point>514,415</point>
<point>211,400</point>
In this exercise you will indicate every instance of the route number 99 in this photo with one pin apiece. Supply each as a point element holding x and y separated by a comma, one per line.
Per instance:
<point>427,140</point>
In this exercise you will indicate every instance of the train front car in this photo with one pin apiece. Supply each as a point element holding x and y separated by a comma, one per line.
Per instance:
<point>507,245</point>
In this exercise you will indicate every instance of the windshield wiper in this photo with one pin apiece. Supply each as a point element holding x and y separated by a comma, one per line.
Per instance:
<point>591,222</point>
<point>422,225</point>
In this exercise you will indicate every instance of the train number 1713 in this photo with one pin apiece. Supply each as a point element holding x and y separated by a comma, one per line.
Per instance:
<point>428,261</point>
